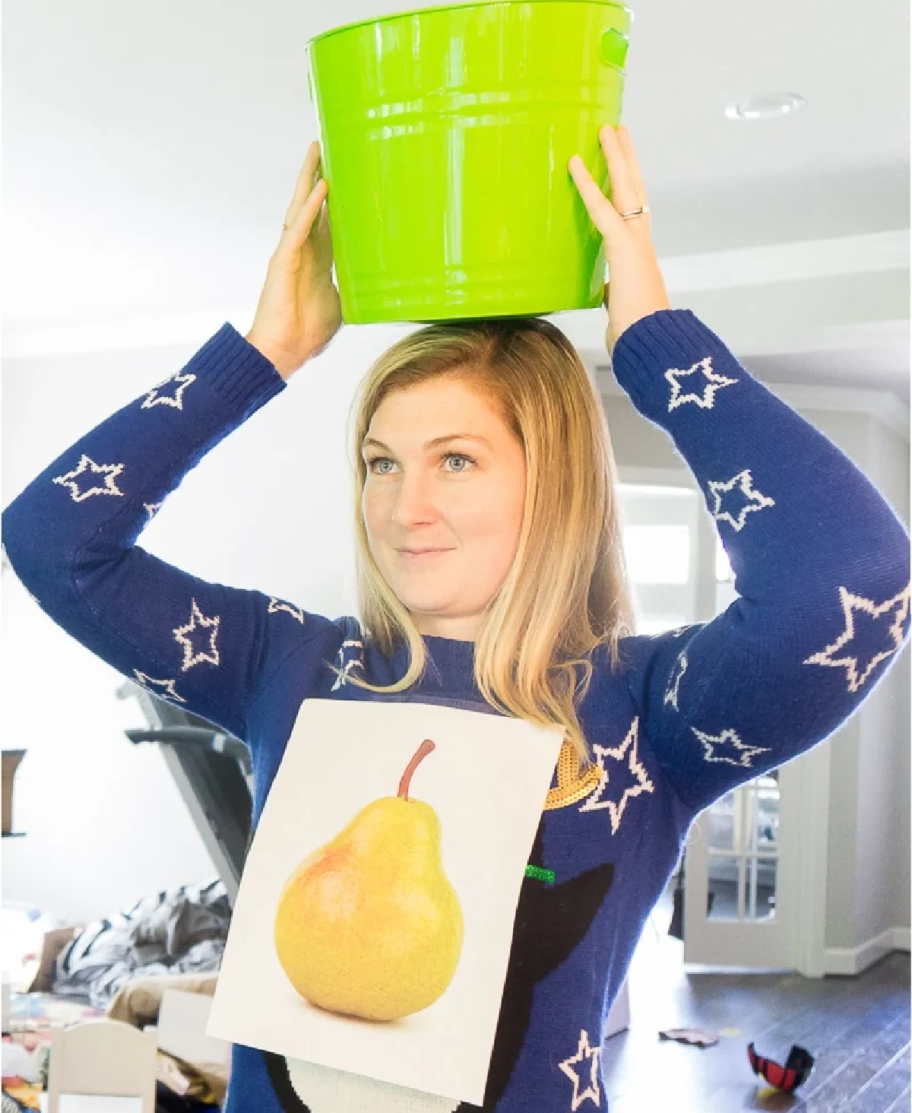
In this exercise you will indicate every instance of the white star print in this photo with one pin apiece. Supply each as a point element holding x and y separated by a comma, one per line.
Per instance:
<point>348,665</point>
<point>850,603</point>
<point>87,464</point>
<point>728,737</point>
<point>678,631</point>
<point>616,808</point>
<point>168,691</point>
<point>151,507</point>
<point>197,618</point>
<point>176,400</point>
<point>745,482</point>
<point>713,383</point>
<point>278,605</point>
<point>584,1051</point>
<point>671,695</point>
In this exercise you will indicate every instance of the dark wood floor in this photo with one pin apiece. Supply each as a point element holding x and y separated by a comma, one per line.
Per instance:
<point>857,1029</point>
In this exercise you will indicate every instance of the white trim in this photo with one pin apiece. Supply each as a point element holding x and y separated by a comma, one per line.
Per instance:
<point>768,263</point>
<point>806,780</point>
<point>731,968</point>
<point>853,960</point>
<point>883,405</point>
<point>744,267</point>
<point>855,335</point>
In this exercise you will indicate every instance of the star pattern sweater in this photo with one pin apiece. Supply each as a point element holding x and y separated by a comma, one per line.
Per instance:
<point>822,575</point>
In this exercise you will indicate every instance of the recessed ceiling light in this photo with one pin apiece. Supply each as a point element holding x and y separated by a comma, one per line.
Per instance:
<point>765,106</point>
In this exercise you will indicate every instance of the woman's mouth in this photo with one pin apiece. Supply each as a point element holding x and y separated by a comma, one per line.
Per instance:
<point>420,557</point>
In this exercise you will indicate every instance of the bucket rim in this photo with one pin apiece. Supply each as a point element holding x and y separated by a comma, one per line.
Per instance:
<point>453,7</point>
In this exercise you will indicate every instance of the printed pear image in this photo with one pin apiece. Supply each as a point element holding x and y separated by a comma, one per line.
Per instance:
<point>369,924</point>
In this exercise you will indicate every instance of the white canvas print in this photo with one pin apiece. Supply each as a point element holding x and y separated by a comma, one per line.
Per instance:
<point>372,928</point>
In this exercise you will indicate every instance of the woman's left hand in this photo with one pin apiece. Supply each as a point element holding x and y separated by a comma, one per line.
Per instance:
<point>636,286</point>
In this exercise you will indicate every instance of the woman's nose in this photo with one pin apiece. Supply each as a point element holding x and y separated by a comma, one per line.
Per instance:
<point>414,500</point>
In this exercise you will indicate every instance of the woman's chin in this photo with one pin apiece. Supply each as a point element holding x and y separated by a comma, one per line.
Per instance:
<point>422,610</point>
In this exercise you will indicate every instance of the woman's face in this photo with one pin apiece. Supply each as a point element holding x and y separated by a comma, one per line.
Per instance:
<point>464,496</point>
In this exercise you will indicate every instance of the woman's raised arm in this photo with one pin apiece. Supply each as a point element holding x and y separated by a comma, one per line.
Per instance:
<point>821,567</point>
<point>70,535</point>
<point>70,538</point>
<point>821,562</point>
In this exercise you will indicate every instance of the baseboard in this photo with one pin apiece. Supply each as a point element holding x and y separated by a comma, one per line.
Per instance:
<point>853,960</point>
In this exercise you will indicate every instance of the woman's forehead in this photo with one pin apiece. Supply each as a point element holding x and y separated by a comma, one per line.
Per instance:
<point>440,395</point>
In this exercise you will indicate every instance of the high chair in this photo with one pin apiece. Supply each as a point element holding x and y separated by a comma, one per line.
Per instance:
<point>105,1059</point>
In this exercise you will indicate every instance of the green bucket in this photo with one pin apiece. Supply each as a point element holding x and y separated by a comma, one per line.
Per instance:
<point>445,137</point>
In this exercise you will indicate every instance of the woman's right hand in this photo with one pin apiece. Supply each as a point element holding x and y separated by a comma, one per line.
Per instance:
<point>299,311</point>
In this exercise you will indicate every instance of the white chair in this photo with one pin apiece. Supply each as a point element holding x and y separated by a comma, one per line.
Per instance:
<point>182,1019</point>
<point>105,1059</point>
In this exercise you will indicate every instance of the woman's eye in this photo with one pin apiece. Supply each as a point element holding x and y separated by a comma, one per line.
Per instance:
<point>379,460</point>
<point>447,456</point>
<point>460,456</point>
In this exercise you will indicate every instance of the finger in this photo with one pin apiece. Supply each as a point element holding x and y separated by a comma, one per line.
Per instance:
<point>305,182</point>
<point>633,163</point>
<point>624,193</point>
<point>603,214</point>
<point>299,229</point>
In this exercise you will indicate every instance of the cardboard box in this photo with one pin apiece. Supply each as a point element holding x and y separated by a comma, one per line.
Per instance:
<point>11,759</point>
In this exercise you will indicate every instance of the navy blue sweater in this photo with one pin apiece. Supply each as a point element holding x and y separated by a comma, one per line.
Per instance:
<point>822,575</point>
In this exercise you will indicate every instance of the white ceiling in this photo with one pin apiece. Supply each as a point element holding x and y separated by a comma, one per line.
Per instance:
<point>150,152</point>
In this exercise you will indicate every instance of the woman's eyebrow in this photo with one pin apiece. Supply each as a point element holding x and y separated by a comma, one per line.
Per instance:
<point>434,443</point>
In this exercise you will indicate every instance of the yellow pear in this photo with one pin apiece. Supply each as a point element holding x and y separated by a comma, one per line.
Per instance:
<point>369,924</point>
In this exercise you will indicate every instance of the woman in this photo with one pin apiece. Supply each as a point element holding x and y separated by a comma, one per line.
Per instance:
<point>523,610</point>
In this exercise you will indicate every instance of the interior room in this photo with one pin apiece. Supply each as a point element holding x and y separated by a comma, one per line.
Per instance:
<point>149,157</point>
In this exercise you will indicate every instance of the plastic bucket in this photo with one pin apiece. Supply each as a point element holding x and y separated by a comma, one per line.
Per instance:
<point>446,134</point>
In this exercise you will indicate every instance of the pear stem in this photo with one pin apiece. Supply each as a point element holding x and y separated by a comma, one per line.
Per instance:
<point>420,754</point>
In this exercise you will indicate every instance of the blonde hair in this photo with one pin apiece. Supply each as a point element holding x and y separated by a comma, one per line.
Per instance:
<point>566,591</point>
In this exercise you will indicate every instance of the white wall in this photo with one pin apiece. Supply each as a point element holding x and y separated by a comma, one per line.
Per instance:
<point>882,861</point>
<point>868,837</point>
<point>102,819</point>
<point>891,456</point>
<point>868,861</point>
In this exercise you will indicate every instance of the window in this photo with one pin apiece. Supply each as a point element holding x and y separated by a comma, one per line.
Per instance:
<point>657,529</point>
<point>657,554</point>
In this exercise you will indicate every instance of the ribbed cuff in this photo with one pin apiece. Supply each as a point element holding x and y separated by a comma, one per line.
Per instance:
<point>654,344</point>
<point>240,373</point>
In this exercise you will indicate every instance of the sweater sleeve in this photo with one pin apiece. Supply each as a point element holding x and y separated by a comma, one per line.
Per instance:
<point>821,568</point>
<point>70,538</point>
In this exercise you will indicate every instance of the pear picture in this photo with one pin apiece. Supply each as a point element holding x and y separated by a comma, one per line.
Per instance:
<point>369,925</point>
